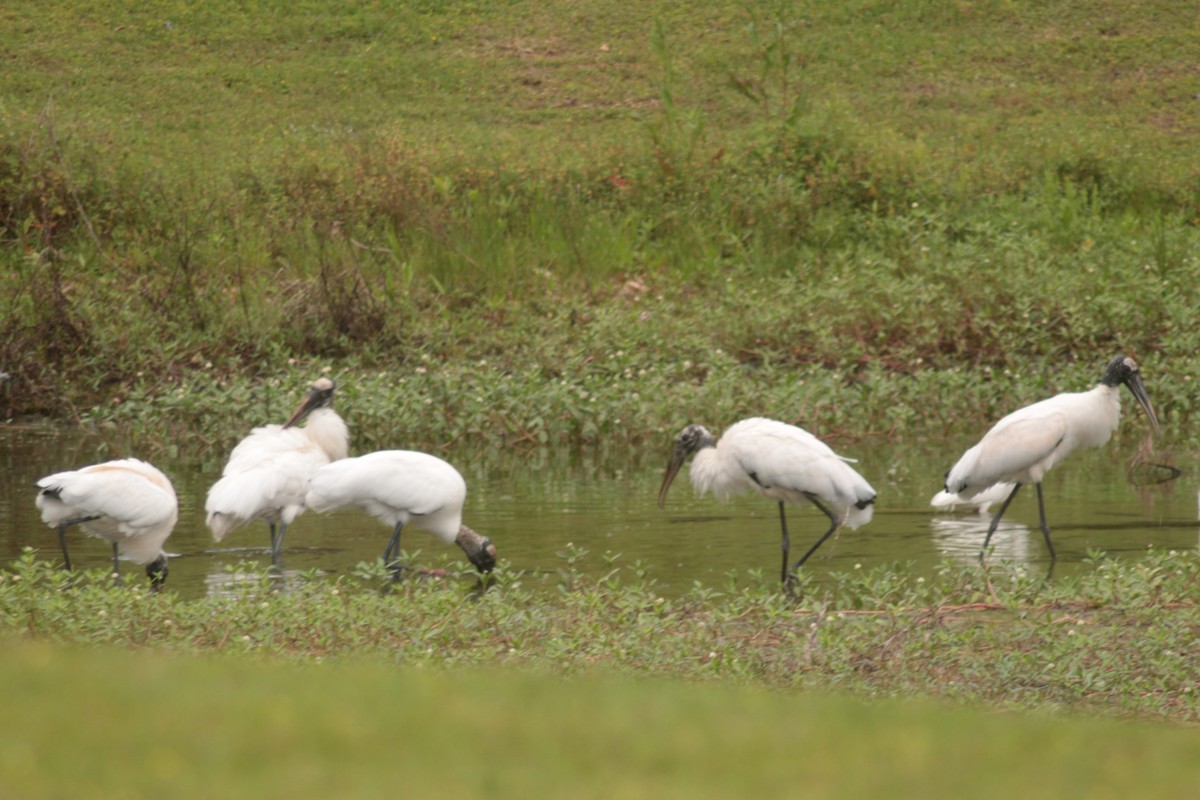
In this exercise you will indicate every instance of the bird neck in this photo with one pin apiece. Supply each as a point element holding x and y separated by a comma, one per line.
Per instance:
<point>708,473</point>
<point>329,432</point>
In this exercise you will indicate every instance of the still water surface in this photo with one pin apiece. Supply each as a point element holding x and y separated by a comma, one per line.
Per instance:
<point>532,504</point>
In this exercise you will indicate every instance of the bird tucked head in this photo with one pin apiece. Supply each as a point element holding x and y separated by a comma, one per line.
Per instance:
<point>691,439</point>
<point>319,396</point>
<point>1124,370</point>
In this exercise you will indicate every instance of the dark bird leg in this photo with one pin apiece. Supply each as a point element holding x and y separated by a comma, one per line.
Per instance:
<point>833,526</point>
<point>277,544</point>
<point>1045,527</point>
<point>272,527</point>
<point>62,541</point>
<point>392,552</point>
<point>62,537</point>
<point>786,543</point>
<point>996,519</point>
<point>116,565</point>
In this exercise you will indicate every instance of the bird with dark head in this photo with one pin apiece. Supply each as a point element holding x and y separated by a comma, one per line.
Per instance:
<point>128,503</point>
<point>1023,446</point>
<point>403,488</point>
<point>320,395</point>
<point>267,474</point>
<point>779,461</point>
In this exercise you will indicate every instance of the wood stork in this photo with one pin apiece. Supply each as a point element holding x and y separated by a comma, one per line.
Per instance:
<point>403,487</point>
<point>982,501</point>
<point>128,503</point>
<point>267,473</point>
<point>1023,446</point>
<point>779,461</point>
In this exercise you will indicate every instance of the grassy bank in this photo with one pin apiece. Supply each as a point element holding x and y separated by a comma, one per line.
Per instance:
<point>544,224</point>
<point>121,724</point>
<point>244,729</point>
<point>1117,640</point>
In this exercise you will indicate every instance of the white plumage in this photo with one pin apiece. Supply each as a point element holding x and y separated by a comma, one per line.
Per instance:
<point>402,488</point>
<point>1023,446</point>
<point>128,503</point>
<point>981,501</point>
<point>780,461</point>
<point>267,474</point>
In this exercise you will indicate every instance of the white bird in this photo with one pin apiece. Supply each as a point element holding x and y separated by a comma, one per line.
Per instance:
<point>1023,446</point>
<point>267,473</point>
<point>982,500</point>
<point>779,461</point>
<point>399,488</point>
<point>128,503</point>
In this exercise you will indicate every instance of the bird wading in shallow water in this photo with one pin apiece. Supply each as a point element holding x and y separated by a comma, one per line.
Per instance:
<point>267,475</point>
<point>779,461</point>
<point>403,488</point>
<point>1022,447</point>
<point>128,503</point>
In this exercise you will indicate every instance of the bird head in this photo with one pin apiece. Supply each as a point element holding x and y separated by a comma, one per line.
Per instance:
<point>479,549</point>
<point>1124,370</point>
<point>157,571</point>
<point>319,396</point>
<point>691,439</point>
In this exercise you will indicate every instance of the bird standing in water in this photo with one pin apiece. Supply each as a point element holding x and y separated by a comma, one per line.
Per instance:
<point>403,488</point>
<point>268,472</point>
<point>1023,446</point>
<point>128,503</point>
<point>779,461</point>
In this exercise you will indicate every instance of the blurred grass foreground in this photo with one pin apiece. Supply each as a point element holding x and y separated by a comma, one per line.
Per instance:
<point>107,723</point>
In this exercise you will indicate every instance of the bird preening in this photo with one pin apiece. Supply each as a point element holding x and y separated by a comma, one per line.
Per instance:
<point>267,474</point>
<point>781,462</point>
<point>128,503</point>
<point>1023,446</point>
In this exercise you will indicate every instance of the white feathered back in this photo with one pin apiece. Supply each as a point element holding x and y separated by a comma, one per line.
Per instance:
<point>135,505</point>
<point>782,462</point>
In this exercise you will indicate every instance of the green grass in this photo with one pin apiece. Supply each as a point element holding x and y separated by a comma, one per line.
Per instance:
<point>1114,640</point>
<point>839,212</point>
<point>145,724</point>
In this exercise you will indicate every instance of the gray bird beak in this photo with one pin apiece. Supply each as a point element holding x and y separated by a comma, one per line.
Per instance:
<point>677,459</point>
<point>1139,391</point>
<point>304,409</point>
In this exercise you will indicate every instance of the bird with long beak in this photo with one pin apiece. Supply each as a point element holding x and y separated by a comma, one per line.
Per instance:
<point>267,474</point>
<point>1023,446</point>
<point>403,488</point>
<point>779,461</point>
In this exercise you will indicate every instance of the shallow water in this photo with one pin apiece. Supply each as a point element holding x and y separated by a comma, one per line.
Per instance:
<point>533,505</point>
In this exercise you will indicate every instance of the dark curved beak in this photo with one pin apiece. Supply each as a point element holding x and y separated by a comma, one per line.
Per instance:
<point>1138,389</point>
<point>305,408</point>
<point>677,459</point>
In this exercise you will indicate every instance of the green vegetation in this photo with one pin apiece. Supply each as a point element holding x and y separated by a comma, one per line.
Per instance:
<point>149,724</point>
<point>560,224</point>
<point>538,223</point>
<point>1117,640</point>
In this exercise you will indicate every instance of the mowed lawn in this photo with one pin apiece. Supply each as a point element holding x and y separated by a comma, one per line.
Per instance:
<point>112,723</point>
